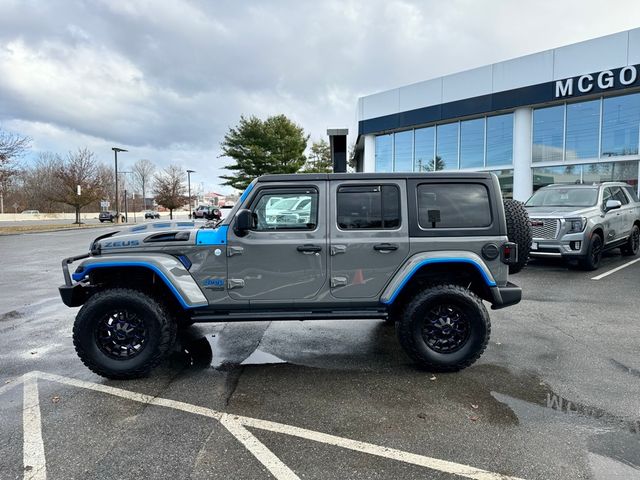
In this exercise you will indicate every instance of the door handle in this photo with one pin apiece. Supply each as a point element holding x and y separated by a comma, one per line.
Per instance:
<point>308,249</point>
<point>385,247</point>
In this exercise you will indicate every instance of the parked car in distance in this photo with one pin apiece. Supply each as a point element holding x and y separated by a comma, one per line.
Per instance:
<point>208,212</point>
<point>579,222</point>
<point>108,216</point>
<point>30,212</point>
<point>225,209</point>
<point>152,214</point>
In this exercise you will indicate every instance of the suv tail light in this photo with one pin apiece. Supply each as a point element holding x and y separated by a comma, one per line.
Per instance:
<point>509,253</point>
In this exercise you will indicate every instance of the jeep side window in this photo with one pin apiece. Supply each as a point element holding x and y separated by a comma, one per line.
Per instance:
<point>373,207</point>
<point>449,205</point>
<point>286,210</point>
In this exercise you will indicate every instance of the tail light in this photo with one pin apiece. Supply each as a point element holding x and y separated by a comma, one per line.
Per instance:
<point>509,253</point>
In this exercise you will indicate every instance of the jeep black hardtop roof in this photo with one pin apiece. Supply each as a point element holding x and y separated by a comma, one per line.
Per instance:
<point>292,177</point>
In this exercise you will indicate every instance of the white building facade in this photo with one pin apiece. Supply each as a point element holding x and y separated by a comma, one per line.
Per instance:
<point>567,115</point>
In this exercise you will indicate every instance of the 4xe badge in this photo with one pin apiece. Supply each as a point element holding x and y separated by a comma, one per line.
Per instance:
<point>213,283</point>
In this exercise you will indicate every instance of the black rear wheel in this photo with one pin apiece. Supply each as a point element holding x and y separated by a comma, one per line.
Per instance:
<point>121,333</point>
<point>633,244</point>
<point>444,328</point>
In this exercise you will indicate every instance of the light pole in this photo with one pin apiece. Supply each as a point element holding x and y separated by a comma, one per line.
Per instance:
<point>189,172</point>
<point>115,152</point>
<point>126,210</point>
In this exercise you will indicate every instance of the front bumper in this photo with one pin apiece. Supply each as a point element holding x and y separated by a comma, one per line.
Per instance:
<point>72,295</point>
<point>506,296</point>
<point>571,245</point>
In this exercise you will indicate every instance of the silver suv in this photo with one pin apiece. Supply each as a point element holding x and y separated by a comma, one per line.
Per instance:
<point>423,251</point>
<point>579,222</point>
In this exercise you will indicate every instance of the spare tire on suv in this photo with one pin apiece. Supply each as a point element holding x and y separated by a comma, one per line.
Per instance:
<point>518,232</point>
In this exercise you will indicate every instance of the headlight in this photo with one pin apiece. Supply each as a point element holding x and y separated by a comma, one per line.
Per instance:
<point>576,225</point>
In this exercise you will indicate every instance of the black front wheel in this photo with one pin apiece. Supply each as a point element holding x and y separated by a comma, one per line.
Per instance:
<point>121,333</point>
<point>591,261</point>
<point>444,328</point>
<point>633,243</point>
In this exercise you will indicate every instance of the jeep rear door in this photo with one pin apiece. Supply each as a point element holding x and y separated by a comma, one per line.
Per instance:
<point>284,256</point>
<point>369,235</point>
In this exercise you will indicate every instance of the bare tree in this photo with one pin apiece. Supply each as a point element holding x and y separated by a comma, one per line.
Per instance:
<point>12,147</point>
<point>169,188</point>
<point>39,183</point>
<point>143,173</point>
<point>77,180</point>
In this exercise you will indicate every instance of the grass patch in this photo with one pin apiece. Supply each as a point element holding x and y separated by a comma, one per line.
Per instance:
<point>16,229</point>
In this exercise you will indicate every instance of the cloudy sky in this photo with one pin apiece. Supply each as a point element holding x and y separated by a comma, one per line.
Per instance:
<point>166,79</point>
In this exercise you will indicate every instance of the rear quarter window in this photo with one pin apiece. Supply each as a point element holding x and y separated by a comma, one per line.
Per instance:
<point>453,206</point>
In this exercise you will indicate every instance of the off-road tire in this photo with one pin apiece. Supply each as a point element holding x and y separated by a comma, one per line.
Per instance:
<point>410,326</point>
<point>591,261</point>
<point>633,244</point>
<point>159,339</point>
<point>518,232</point>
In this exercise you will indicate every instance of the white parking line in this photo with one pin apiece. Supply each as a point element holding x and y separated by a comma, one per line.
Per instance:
<point>614,270</point>
<point>234,424</point>
<point>277,468</point>
<point>35,466</point>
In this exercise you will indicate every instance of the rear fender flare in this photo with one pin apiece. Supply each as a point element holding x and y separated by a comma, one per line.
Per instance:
<point>415,263</point>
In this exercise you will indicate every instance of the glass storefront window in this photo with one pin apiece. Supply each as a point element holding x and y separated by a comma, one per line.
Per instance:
<point>505,177</point>
<point>500,140</point>
<point>425,146</point>
<point>620,123</point>
<point>587,173</point>
<point>583,128</point>
<point>384,153</point>
<point>447,151</point>
<point>611,172</point>
<point>548,134</point>
<point>472,143</point>
<point>403,151</point>
<point>543,176</point>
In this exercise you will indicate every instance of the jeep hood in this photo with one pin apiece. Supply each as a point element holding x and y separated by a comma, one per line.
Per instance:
<point>151,236</point>
<point>558,211</point>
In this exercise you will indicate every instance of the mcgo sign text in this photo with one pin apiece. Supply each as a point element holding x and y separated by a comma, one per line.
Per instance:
<point>604,80</point>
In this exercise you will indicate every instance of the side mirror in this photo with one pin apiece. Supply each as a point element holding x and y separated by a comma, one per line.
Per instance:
<point>612,205</point>
<point>244,222</point>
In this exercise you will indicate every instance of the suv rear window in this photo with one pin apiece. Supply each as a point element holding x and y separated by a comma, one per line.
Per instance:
<point>448,205</point>
<point>368,207</point>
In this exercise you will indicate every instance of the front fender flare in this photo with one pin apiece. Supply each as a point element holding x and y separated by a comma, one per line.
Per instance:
<point>168,268</point>
<point>411,266</point>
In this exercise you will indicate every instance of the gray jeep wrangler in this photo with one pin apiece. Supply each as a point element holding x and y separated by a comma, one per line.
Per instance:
<point>420,250</point>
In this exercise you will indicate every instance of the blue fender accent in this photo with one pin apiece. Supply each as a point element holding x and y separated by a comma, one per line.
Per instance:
<point>214,236</point>
<point>80,275</point>
<point>489,281</point>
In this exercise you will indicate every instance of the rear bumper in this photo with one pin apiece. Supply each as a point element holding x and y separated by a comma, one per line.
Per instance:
<point>505,296</point>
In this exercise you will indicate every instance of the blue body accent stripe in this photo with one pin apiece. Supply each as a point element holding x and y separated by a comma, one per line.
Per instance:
<point>428,261</point>
<point>246,193</point>
<point>214,236</point>
<point>79,276</point>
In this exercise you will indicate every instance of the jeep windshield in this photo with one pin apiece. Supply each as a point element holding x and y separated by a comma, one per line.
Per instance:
<point>564,197</point>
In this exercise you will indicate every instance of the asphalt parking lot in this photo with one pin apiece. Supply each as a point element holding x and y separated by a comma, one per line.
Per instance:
<point>556,394</point>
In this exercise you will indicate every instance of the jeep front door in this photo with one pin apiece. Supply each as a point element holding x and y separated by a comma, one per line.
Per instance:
<point>369,236</point>
<point>283,256</point>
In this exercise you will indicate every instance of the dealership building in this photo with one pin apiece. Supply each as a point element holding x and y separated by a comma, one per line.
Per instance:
<point>567,115</point>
